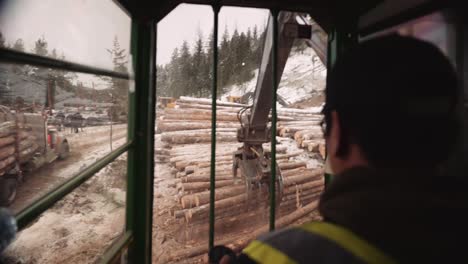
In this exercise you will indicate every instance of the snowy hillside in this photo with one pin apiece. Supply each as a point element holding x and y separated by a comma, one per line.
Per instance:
<point>299,81</point>
<point>32,88</point>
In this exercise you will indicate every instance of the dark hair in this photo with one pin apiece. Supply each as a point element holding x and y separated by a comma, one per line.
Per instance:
<point>396,98</point>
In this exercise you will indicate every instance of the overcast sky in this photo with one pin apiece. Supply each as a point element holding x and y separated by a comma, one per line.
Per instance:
<point>186,21</point>
<point>84,29</point>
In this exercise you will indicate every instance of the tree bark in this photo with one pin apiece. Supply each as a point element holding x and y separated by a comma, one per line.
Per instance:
<point>5,141</point>
<point>6,162</point>
<point>202,198</point>
<point>239,243</point>
<point>200,186</point>
<point>6,152</point>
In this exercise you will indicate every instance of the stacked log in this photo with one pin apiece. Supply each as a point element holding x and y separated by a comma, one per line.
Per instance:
<point>16,146</point>
<point>184,137</point>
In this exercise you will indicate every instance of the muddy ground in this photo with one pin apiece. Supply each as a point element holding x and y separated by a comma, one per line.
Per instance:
<point>80,227</point>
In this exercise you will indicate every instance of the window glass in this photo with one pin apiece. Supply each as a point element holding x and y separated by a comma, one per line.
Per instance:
<point>77,31</point>
<point>183,127</point>
<point>184,79</point>
<point>301,95</point>
<point>80,227</point>
<point>53,125</point>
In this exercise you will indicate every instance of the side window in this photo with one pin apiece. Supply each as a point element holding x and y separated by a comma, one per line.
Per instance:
<point>58,126</point>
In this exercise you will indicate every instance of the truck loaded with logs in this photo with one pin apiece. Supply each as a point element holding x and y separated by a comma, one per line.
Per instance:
<point>26,144</point>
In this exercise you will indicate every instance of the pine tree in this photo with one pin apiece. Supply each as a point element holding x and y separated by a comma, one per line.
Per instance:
<point>255,34</point>
<point>119,86</point>
<point>175,85</point>
<point>198,61</point>
<point>40,47</point>
<point>186,73</point>
<point>225,61</point>
<point>162,80</point>
<point>19,45</point>
<point>2,41</point>
<point>208,66</point>
<point>54,54</point>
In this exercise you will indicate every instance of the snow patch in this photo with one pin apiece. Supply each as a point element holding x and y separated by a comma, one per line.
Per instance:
<point>299,80</point>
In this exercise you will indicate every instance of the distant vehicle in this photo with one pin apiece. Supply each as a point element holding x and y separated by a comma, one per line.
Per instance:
<point>75,122</point>
<point>39,144</point>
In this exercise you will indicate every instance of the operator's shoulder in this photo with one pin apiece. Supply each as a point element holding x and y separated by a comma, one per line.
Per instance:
<point>295,245</point>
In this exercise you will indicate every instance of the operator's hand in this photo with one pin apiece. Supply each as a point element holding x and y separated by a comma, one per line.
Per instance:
<point>222,255</point>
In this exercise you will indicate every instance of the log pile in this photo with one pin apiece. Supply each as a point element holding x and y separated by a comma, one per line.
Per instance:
<point>184,136</point>
<point>17,146</point>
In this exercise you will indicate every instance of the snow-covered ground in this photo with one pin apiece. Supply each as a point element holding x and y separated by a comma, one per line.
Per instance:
<point>81,226</point>
<point>299,81</point>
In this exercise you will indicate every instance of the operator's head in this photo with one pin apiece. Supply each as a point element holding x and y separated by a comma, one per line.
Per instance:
<point>391,103</point>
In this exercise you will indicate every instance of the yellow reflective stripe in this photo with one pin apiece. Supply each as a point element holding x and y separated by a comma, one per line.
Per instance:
<point>349,241</point>
<point>264,253</point>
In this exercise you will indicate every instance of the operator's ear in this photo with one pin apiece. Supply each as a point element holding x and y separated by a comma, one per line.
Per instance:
<point>333,140</point>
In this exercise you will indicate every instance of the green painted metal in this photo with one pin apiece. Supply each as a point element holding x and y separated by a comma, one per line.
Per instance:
<point>112,253</point>
<point>214,89</point>
<point>17,57</point>
<point>29,214</point>
<point>140,157</point>
<point>274,15</point>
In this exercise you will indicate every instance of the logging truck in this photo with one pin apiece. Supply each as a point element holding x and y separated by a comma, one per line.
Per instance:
<point>27,143</point>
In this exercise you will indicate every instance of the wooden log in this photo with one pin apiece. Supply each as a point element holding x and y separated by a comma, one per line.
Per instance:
<point>220,170</point>
<point>201,139</point>
<point>161,151</point>
<point>296,171</point>
<point>301,133</point>
<point>27,153</point>
<point>222,154</point>
<point>204,197</point>
<point>207,101</point>
<point>206,178</point>
<point>305,186</point>
<point>280,223</point>
<point>298,123</point>
<point>238,243</point>
<point>306,177</point>
<point>200,117</point>
<point>6,162</point>
<point>300,111</point>
<point>224,203</point>
<point>200,186</point>
<point>184,105</point>
<point>292,165</point>
<point>4,141</point>
<point>323,150</point>
<point>305,143</point>
<point>165,126</point>
<point>311,135</point>
<point>27,143</point>
<point>6,152</point>
<point>7,128</point>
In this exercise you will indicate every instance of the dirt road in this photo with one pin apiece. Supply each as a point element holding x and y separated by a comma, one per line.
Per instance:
<point>86,147</point>
<point>81,226</point>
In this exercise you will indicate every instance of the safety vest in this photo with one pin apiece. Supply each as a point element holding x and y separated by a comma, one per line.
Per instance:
<point>316,242</point>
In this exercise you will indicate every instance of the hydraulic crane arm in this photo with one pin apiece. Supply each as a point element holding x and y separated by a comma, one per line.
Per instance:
<point>253,163</point>
<point>263,91</point>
